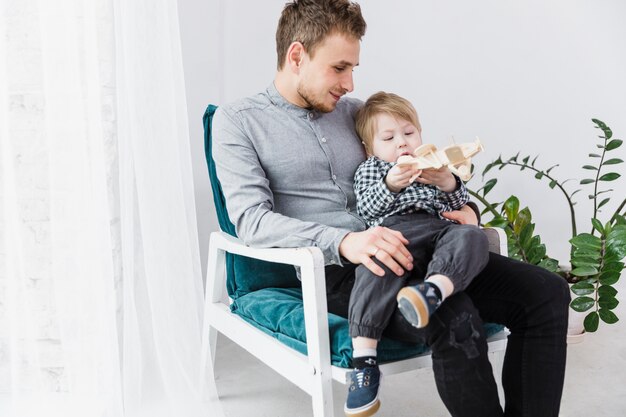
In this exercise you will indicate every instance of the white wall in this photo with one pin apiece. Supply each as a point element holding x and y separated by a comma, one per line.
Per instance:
<point>523,76</point>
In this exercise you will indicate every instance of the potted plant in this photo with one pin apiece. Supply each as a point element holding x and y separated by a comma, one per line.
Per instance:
<point>596,255</point>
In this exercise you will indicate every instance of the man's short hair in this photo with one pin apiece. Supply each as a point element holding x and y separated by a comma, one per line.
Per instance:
<point>382,103</point>
<point>311,21</point>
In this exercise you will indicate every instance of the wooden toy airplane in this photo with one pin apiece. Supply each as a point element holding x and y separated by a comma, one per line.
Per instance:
<point>457,157</point>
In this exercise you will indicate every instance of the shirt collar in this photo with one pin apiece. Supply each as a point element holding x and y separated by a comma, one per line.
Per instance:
<point>280,101</point>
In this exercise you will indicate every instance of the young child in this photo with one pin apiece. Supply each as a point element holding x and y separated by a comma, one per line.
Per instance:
<point>447,256</point>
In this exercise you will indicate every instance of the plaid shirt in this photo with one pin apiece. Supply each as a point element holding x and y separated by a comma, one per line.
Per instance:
<point>375,202</point>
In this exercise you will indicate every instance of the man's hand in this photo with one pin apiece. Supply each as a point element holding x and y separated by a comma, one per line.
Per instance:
<point>442,178</point>
<point>463,216</point>
<point>388,246</point>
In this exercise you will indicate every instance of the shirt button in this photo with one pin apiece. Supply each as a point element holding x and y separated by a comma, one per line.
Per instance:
<point>332,261</point>
<point>310,115</point>
<point>348,209</point>
<point>334,177</point>
<point>324,140</point>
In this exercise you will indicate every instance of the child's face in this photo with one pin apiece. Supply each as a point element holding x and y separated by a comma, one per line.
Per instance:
<point>394,138</point>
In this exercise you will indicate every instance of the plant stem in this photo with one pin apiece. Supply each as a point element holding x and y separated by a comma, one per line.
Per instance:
<point>485,202</point>
<point>595,186</point>
<point>617,212</point>
<point>567,197</point>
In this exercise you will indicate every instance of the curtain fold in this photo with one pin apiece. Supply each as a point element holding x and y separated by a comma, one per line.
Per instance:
<point>100,285</point>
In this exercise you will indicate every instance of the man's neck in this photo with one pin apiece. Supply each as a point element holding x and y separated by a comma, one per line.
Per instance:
<point>287,87</point>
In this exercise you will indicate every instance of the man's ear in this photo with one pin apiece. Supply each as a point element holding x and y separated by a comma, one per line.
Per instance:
<point>295,55</point>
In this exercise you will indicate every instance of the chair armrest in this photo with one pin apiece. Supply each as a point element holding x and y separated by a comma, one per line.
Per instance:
<point>302,257</point>
<point>311,263</point>
<point>497,240</point>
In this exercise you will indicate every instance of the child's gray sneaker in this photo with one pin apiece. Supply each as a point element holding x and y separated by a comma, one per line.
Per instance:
<point>363,387</point>
<point>418,302</point>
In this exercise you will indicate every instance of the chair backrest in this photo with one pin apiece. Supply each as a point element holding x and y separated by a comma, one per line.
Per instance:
<point>244,274</point>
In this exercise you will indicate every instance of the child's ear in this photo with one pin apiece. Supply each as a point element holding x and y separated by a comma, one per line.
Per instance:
<point>367,150</point>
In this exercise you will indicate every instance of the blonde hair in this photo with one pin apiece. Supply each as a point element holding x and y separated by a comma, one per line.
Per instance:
<point>311,21</point>
<point>382,103</point>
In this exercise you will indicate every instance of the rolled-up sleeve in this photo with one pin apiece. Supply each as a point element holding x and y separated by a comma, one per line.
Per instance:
<point>455,199</point>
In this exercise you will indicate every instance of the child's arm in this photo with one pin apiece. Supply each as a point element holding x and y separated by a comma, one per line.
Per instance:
<point>373,197</point>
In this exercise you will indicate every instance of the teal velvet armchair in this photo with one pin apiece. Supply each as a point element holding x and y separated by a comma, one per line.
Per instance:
<point>284,321</point>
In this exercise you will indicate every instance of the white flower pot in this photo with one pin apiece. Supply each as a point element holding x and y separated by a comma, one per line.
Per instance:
<point>575,326</point>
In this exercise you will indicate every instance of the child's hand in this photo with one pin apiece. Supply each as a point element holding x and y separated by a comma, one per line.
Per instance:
<point>442,178</point>
<point>399,178</point>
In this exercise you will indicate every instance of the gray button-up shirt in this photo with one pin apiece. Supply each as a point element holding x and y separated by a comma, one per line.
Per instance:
<point>287,172</point>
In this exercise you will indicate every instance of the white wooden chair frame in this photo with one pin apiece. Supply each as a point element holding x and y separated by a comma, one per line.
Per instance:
<point>313,373</point>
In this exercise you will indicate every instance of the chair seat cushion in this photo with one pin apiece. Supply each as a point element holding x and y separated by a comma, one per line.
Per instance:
<point>279,312</point>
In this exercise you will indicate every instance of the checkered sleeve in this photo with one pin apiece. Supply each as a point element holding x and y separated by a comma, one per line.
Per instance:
<point>373,198</point>
<point>457,198</point>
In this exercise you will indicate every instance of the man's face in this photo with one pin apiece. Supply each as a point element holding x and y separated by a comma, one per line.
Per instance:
<point>394,138</point>
<point>328,76</point>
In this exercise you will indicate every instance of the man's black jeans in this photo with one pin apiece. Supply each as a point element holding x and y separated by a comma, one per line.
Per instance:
<point>530,301</point>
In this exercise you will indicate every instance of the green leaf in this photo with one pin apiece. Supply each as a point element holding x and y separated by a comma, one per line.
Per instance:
<point>590,167</point>
<point>487,168</point>
<point>594,155</point>
<point>617,235</point>
<point>536,253</point>
<point>601,125</point>
<point>534,159</point>
<point>539,175</point>
<point>615,143</point>
<point>613,266</point>
<point>525,160</point>
<point>550,264</point>
<point>489,185</point>
<point>608,303</point>
<point>616,244</point>
<point>603,202</point>
<point>584,271</point>
<point>552,184</point>
<point>586,261</point>
<point>587,181</point>
<point>511,207</point>
<point>591,252</point>
<point>583,288</point>
<point>500,222</point>
<point>591,322</point>
<point>586,240</point>
<point>608,316</point>
<point>613,161</point>
<point>597,225</point>
<point>581,304</point>
<point>551,168</point>
<point>523,218</point>
<point>608,278</point>
<point>526,234</point>
<point>607,291</point>
<point>611,176</point>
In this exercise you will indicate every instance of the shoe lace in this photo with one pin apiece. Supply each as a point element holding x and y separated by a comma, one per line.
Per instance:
<point>361,378</point>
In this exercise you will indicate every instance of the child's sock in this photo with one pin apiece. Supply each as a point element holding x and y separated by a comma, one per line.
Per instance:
<point>442,285</point>
<point>364,357</point>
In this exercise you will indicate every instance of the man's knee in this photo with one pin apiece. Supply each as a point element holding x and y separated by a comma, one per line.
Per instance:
<point>457,326</point>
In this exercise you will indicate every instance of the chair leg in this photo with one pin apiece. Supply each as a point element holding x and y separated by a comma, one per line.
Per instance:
<point>497,362</point>
<point>322,396</point>
<point>212,344</point>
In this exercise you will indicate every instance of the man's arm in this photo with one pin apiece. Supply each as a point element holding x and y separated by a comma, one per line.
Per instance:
<point>249,198</point>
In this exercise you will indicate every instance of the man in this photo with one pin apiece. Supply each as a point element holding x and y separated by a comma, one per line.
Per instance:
<point>286,159</point>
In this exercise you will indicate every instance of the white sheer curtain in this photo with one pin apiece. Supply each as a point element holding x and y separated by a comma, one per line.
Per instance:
<point>100,282</point>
